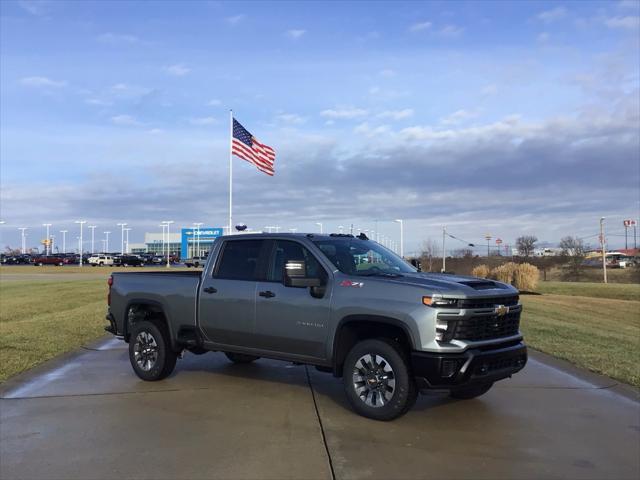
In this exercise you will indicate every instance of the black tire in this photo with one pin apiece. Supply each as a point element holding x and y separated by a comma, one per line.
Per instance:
<point>398,398</point>
<point>472,391</point>
<point>240,357</point>
<point>165,359</point>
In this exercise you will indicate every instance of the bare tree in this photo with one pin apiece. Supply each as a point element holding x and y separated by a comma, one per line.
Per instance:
<point>429,252</point>
<point>526,245</point>
<point>574,252</point>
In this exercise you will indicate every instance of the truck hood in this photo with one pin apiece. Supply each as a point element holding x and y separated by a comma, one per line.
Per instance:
<point>447,284</point>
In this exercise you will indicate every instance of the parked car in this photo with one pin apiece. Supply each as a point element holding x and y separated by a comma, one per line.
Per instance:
<point>128,261</point>
<point>17,259</point>
<point>386,328</point>
<point>50,260</point>
<point>100,260</point>
<point>195,262</point>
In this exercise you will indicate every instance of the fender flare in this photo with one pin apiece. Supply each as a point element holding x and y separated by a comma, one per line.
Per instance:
<point>151,303</point>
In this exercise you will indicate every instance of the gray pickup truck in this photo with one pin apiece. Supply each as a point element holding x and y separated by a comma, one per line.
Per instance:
<point>345,304</point>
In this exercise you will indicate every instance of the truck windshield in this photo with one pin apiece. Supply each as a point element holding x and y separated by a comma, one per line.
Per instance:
<point>362,257</point>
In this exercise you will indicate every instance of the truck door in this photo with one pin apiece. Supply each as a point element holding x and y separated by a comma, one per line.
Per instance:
<point>292,320</point>
<point>228,293</point>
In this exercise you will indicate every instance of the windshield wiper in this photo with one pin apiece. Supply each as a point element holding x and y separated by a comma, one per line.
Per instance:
<point>379,274</point>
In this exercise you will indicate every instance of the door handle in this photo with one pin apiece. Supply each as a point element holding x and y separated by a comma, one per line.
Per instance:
<point>209,290</point>
<point>267,294</point>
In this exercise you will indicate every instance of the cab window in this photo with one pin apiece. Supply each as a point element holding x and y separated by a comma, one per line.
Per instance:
<point>285,250</point>
<point>239,260</point>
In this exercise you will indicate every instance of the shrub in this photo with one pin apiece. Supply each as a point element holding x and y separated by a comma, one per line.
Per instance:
<point>504,273</point>
<point>525,277</point>
<point>481,271</point>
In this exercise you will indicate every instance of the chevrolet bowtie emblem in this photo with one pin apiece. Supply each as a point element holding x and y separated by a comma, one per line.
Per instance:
<point>501,310</point>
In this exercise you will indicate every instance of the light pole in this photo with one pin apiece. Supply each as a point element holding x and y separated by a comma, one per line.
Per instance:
<point>401,222</point>
<point>106,242</point>
<point>164,228</point>
<point>23,238</point>
<point>64,240</point>
<point>51,245</point>
<point>126,242</point>
<point>488,237</point>
<point>46,245</point>
<point>168,224</point>
<point>198,225</point>
<point>122,225</point>
<point>81,223</point>
<point>604,254</point>
<point>320,225</point>
<point>93,230</point>
<point>444,254</point>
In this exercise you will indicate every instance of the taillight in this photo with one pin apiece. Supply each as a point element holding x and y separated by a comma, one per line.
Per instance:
<point>110,283</point>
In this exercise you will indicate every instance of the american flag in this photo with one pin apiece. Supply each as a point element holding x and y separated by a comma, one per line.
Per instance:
<point>245,146</point>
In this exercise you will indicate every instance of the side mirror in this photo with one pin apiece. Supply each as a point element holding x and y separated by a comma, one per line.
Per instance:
<point>295,275</point>
<point>416,263</point>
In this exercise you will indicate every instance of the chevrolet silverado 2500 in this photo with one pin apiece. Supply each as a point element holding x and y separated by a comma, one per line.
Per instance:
<point>344,304</point>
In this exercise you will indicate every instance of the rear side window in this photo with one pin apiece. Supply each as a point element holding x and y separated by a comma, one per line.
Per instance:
<point>240,260</point>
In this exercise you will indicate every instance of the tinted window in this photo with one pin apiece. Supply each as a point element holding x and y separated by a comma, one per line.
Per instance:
<point>239,260</point>
<point>286,250</point>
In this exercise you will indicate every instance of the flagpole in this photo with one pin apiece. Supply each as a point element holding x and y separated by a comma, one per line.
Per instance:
<point>230,171</point>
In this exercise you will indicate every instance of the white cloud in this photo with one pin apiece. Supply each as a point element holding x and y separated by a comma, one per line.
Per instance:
<point>124,90</point>
<point>214,103</point>
<point>450,31</point>
<point>98,102</point>
<point>553,15</point>
<point>387,72</point>
<point>42,82</point>
<point>155,131</point>
<point>234,20</point>
<point>290,118</point>
<point>203,121</point>
<point>420,26</point>
<point>35,7</point>
<point>370,131</point>
<point>396,114</point>
<point>543,37</point>
<point>125,120</point>
<point>490,89</point>
<point>295,34</point>
<point>118,38</point>
<point>629,22</point>
<point>177,70</point>
<point>459,116</point>
<point>349,112</point>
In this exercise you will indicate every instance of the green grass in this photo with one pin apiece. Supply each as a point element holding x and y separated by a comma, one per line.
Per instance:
<point>42,319</point>
<point>618,291</point>
<point>597,333</point>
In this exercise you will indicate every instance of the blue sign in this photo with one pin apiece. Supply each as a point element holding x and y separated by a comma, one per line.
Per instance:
<point>192,236</point>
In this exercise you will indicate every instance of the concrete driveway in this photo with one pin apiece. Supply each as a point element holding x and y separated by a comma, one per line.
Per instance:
<point>87,416</point>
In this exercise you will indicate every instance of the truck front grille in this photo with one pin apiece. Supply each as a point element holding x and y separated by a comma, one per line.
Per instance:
<point>487,327</point>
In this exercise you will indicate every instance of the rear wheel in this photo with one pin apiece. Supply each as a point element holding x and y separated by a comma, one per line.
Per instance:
<point>473,391</point>
<point>150,351</point>
<point>377,380</point>
<point>240,357</point>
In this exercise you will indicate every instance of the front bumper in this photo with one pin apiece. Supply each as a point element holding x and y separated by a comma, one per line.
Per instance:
<point>483,365</point>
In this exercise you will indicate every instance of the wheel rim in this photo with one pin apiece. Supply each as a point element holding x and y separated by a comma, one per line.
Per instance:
<point>374,380</point>
<point>145,351</point>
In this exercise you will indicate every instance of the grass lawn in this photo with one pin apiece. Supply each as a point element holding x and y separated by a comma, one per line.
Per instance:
<point>594,326</point>
<point>42,319</point>
<point>618,291</point>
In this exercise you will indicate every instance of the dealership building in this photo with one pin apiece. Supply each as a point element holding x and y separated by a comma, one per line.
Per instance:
<point>190,242</point>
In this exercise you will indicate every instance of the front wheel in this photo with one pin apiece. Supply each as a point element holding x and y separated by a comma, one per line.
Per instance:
<point>377,380</point>
<point>150,351</point>
<point>473,391</point>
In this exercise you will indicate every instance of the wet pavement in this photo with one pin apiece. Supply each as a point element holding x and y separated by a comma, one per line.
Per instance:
<point>88,416</point>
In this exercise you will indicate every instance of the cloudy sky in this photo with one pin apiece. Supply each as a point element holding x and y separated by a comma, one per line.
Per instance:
<point>495,117</point>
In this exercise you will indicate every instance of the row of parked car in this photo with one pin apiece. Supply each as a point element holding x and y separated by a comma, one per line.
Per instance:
<point>95,260</point>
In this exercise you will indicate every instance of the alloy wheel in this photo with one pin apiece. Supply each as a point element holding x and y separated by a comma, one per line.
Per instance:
<point>145,351</point>
<point>374,380</point>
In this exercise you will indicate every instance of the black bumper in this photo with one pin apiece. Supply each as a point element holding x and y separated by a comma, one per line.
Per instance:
<point>447,370</point>
<point>112,327</point>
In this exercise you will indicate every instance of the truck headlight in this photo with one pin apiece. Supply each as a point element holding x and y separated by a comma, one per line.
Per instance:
<point>438,301</point>
<point>444,330</point>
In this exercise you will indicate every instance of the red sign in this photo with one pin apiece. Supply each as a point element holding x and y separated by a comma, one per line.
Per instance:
<point>629,223</point>
<point>498,241</point>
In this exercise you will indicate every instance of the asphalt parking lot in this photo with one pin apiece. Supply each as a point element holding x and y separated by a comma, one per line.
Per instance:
<point>87,416</point>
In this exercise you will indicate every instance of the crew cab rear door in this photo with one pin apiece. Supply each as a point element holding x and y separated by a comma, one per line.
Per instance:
<point>292,320</point>
<point>228,293</point>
